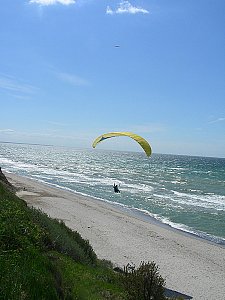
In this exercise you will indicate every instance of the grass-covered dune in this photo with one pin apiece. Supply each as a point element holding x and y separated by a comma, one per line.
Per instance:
<point>41,258</point>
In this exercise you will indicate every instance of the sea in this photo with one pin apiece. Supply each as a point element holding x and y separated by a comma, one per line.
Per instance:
<point>184,192</point>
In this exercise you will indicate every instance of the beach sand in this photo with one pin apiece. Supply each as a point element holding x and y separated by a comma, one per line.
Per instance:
<point>191,266</point>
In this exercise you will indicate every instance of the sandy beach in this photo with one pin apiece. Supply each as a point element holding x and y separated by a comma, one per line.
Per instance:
<point>190,266</point>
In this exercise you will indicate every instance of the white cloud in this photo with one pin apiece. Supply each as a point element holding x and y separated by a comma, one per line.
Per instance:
<point>217,120</point>
<point>72,79</point>
<point>11,84</point>
<point>52,2</point>
<point>6,131</point>
<point>109,11</point>
<point>125,7</point>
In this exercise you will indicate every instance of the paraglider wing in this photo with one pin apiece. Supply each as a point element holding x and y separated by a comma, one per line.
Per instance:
<point>142,142</point>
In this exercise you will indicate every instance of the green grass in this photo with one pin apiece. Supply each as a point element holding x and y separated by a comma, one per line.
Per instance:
<point>40,258</point>
<point>25,272</point>
<point>90,282</point>
<point>26,275</point>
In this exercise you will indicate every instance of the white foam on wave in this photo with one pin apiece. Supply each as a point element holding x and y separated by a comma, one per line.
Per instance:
<point>179,168</point>
<point>180,182</point>
<point>41,171</point>
<point>206,201</point>
<point>137,188</point>
<point>4,160</point>
<point>17,165</point>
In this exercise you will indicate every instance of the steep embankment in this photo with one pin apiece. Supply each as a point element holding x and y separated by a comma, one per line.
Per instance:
<point>41,258</point>
<point>6,183</point>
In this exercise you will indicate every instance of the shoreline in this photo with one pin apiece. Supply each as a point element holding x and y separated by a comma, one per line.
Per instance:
<point>190,264</point>
<point>137,213</point>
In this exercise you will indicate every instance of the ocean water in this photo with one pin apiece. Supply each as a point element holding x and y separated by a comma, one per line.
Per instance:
<point>185,192</point>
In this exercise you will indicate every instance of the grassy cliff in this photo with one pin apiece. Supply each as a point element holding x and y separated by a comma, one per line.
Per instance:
<point>40,258</point>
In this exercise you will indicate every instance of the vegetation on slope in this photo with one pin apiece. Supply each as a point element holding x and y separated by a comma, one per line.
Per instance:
<point>41,258</point>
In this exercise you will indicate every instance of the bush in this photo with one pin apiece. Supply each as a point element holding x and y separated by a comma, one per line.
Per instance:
<point>144,283</point>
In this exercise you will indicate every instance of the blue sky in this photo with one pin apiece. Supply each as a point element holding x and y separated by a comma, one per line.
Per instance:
<point>63,81</point>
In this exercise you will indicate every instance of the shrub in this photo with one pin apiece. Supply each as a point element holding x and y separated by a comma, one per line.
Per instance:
<point>143,283</point>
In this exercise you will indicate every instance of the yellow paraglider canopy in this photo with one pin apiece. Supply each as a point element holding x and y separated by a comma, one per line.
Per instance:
<point>141,141</point>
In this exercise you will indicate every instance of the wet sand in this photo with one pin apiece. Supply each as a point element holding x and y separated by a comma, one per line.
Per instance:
<point>190,265</point>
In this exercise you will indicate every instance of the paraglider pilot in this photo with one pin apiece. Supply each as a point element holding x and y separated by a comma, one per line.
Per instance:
<point>116,189</point>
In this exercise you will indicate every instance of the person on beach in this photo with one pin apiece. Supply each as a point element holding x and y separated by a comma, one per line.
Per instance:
<point>116,189</point>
